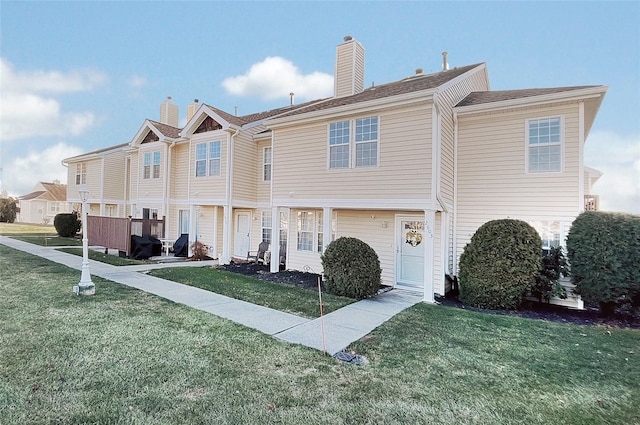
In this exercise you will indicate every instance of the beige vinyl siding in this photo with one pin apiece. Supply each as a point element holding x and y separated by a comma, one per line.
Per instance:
<point>361,225</point>
<point>300,161</point>
<point>180,172</point>
<point>114,175</point>
<point>151,188</point>
<point>492,178</point>
<point>208,187</point>
<point>263,195</point>
<point>244,166</point>
<point>134,176</point>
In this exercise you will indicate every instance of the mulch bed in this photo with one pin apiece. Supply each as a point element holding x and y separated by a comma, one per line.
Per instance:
<point>532,310</point>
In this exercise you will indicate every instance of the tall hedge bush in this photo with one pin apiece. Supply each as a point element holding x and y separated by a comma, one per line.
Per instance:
<point>604,252</point>
<point>351,268</point>
<point>499,265</point>
<point>67,224</point>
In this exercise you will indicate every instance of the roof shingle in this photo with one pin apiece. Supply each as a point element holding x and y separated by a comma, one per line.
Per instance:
<point>480,97</point>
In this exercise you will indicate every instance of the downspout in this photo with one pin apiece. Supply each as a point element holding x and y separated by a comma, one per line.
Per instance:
<point>581,143</point>
<point>102,206</point>
<point>444,218</point>
<point>455,193</point>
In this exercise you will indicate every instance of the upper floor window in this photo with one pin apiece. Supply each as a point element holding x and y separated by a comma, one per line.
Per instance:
<point>266,164</point>
<point>151,167</point>
<point>208,159</point>
<point>544,145</point>
<point>339,144</point>
<point>81,173</point>
<point>364,149</point>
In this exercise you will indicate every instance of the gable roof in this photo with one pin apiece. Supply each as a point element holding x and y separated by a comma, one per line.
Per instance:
<point>481,97</point>
<point>88,155</point>
<point>51,192</point>
<point>414,83</point>
<point>166,130</point>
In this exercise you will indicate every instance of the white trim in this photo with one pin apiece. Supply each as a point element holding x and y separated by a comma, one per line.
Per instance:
<point>568,95</point>
<point>356,204</point>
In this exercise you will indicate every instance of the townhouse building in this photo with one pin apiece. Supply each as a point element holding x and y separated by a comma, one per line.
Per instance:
<point>412,167</point>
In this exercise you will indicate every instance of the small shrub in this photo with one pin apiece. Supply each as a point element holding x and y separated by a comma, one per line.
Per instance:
<point>200,251</point>
<point>604,253</point>
<point>67,224</point>
<point>498,267</point>
<point>351,268</point>
<point>554,266</point>
<point>8,210</point>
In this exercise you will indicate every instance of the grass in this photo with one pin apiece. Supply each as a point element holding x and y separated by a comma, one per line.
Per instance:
<point>26,228</point>
<point>102,257</point>
<point>127,357</point>
<point>278,296</point>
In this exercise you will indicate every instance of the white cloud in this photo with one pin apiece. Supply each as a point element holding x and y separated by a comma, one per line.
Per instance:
<point>23,173</point>
<point>618,158</point>
<point>137,81</point>
<point>275,78</point>
<point>27,108</point>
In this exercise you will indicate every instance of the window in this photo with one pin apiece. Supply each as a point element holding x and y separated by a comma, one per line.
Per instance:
<point>54,207</point>
<point>208,159</point>
<point>365,141</point>
<point>266,164</point>
<point>81,173</point>
<point>266,226</point>
<point>544,145</point>
<point>151,165</point>
<point>339,144</point>
<point>310,236</point>
<point>550,232</point>
<point>284,226</point>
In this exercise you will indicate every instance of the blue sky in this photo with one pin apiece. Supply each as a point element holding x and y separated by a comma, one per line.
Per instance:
<point>80,76</point>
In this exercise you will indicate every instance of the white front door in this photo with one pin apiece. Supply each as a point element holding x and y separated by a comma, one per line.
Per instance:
<point>242,236</point>
<point>410,240</point>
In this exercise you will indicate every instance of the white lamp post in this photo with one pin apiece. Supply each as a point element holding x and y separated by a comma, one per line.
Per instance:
<point>86,286</point>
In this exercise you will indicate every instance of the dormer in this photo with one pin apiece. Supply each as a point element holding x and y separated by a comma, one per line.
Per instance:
<point>207,119</point>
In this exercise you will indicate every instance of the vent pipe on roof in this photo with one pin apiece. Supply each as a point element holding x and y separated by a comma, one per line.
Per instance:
<point>236,110</point>
<point>291,97</point>
<point>419,71</point>
<point>445,65</point>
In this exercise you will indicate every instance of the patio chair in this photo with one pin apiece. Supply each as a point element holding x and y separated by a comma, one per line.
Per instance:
<point>259,256</point>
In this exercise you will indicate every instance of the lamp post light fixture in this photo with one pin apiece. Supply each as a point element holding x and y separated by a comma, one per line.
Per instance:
<point>86,286</point>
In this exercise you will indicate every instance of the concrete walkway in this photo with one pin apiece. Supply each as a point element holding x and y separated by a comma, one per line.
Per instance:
<point>341,327</point>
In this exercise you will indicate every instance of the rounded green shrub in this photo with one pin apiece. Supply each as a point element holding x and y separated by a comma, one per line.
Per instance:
<point>499,266</point>
<point>351,268</point>
<point>67,224</point>
<point>604,253</point>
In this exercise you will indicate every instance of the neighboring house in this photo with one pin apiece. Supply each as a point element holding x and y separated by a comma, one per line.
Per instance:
<point>411,167</point>
<point>43,203</point>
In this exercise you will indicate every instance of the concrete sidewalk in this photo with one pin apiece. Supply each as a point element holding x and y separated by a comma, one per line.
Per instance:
<point>341,327</point>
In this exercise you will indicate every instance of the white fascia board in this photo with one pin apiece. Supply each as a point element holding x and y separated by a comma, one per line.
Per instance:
<point>464,76</point>
<point>359,107</point>
<point>196,120</point>
<point>355,204</point>
<point>565,96</point>
<point>95,154</point>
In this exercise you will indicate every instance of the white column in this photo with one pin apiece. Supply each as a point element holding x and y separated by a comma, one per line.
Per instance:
<point>429,223</point>
<point>216,254</point>
<point>226,235</point>
<point>192,228</point>
<point>275,240</point>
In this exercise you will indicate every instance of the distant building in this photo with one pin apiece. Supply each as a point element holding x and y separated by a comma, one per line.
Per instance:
<point>41,205</point>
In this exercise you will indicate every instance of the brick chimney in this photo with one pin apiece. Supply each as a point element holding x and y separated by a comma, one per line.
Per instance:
<point>349,74</point>
<point>169,113</point>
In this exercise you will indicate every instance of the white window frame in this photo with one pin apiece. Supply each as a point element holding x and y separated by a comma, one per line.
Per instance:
<point>358,135</point>
<point>209,155</point>
<point>336,142</point>
<point>309,239</point>
<point>550,143</point>
<point>151,165</point>
<point>81,173</point>
<point>266,227</point>
<point>267,160</point>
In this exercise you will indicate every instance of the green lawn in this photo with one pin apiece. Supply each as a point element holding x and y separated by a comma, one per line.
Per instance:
<point>299,301</point>
<point>126,357</point>
<point>102,257</point>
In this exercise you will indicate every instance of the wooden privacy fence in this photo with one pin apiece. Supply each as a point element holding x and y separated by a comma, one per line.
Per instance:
<point>115,232</point>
